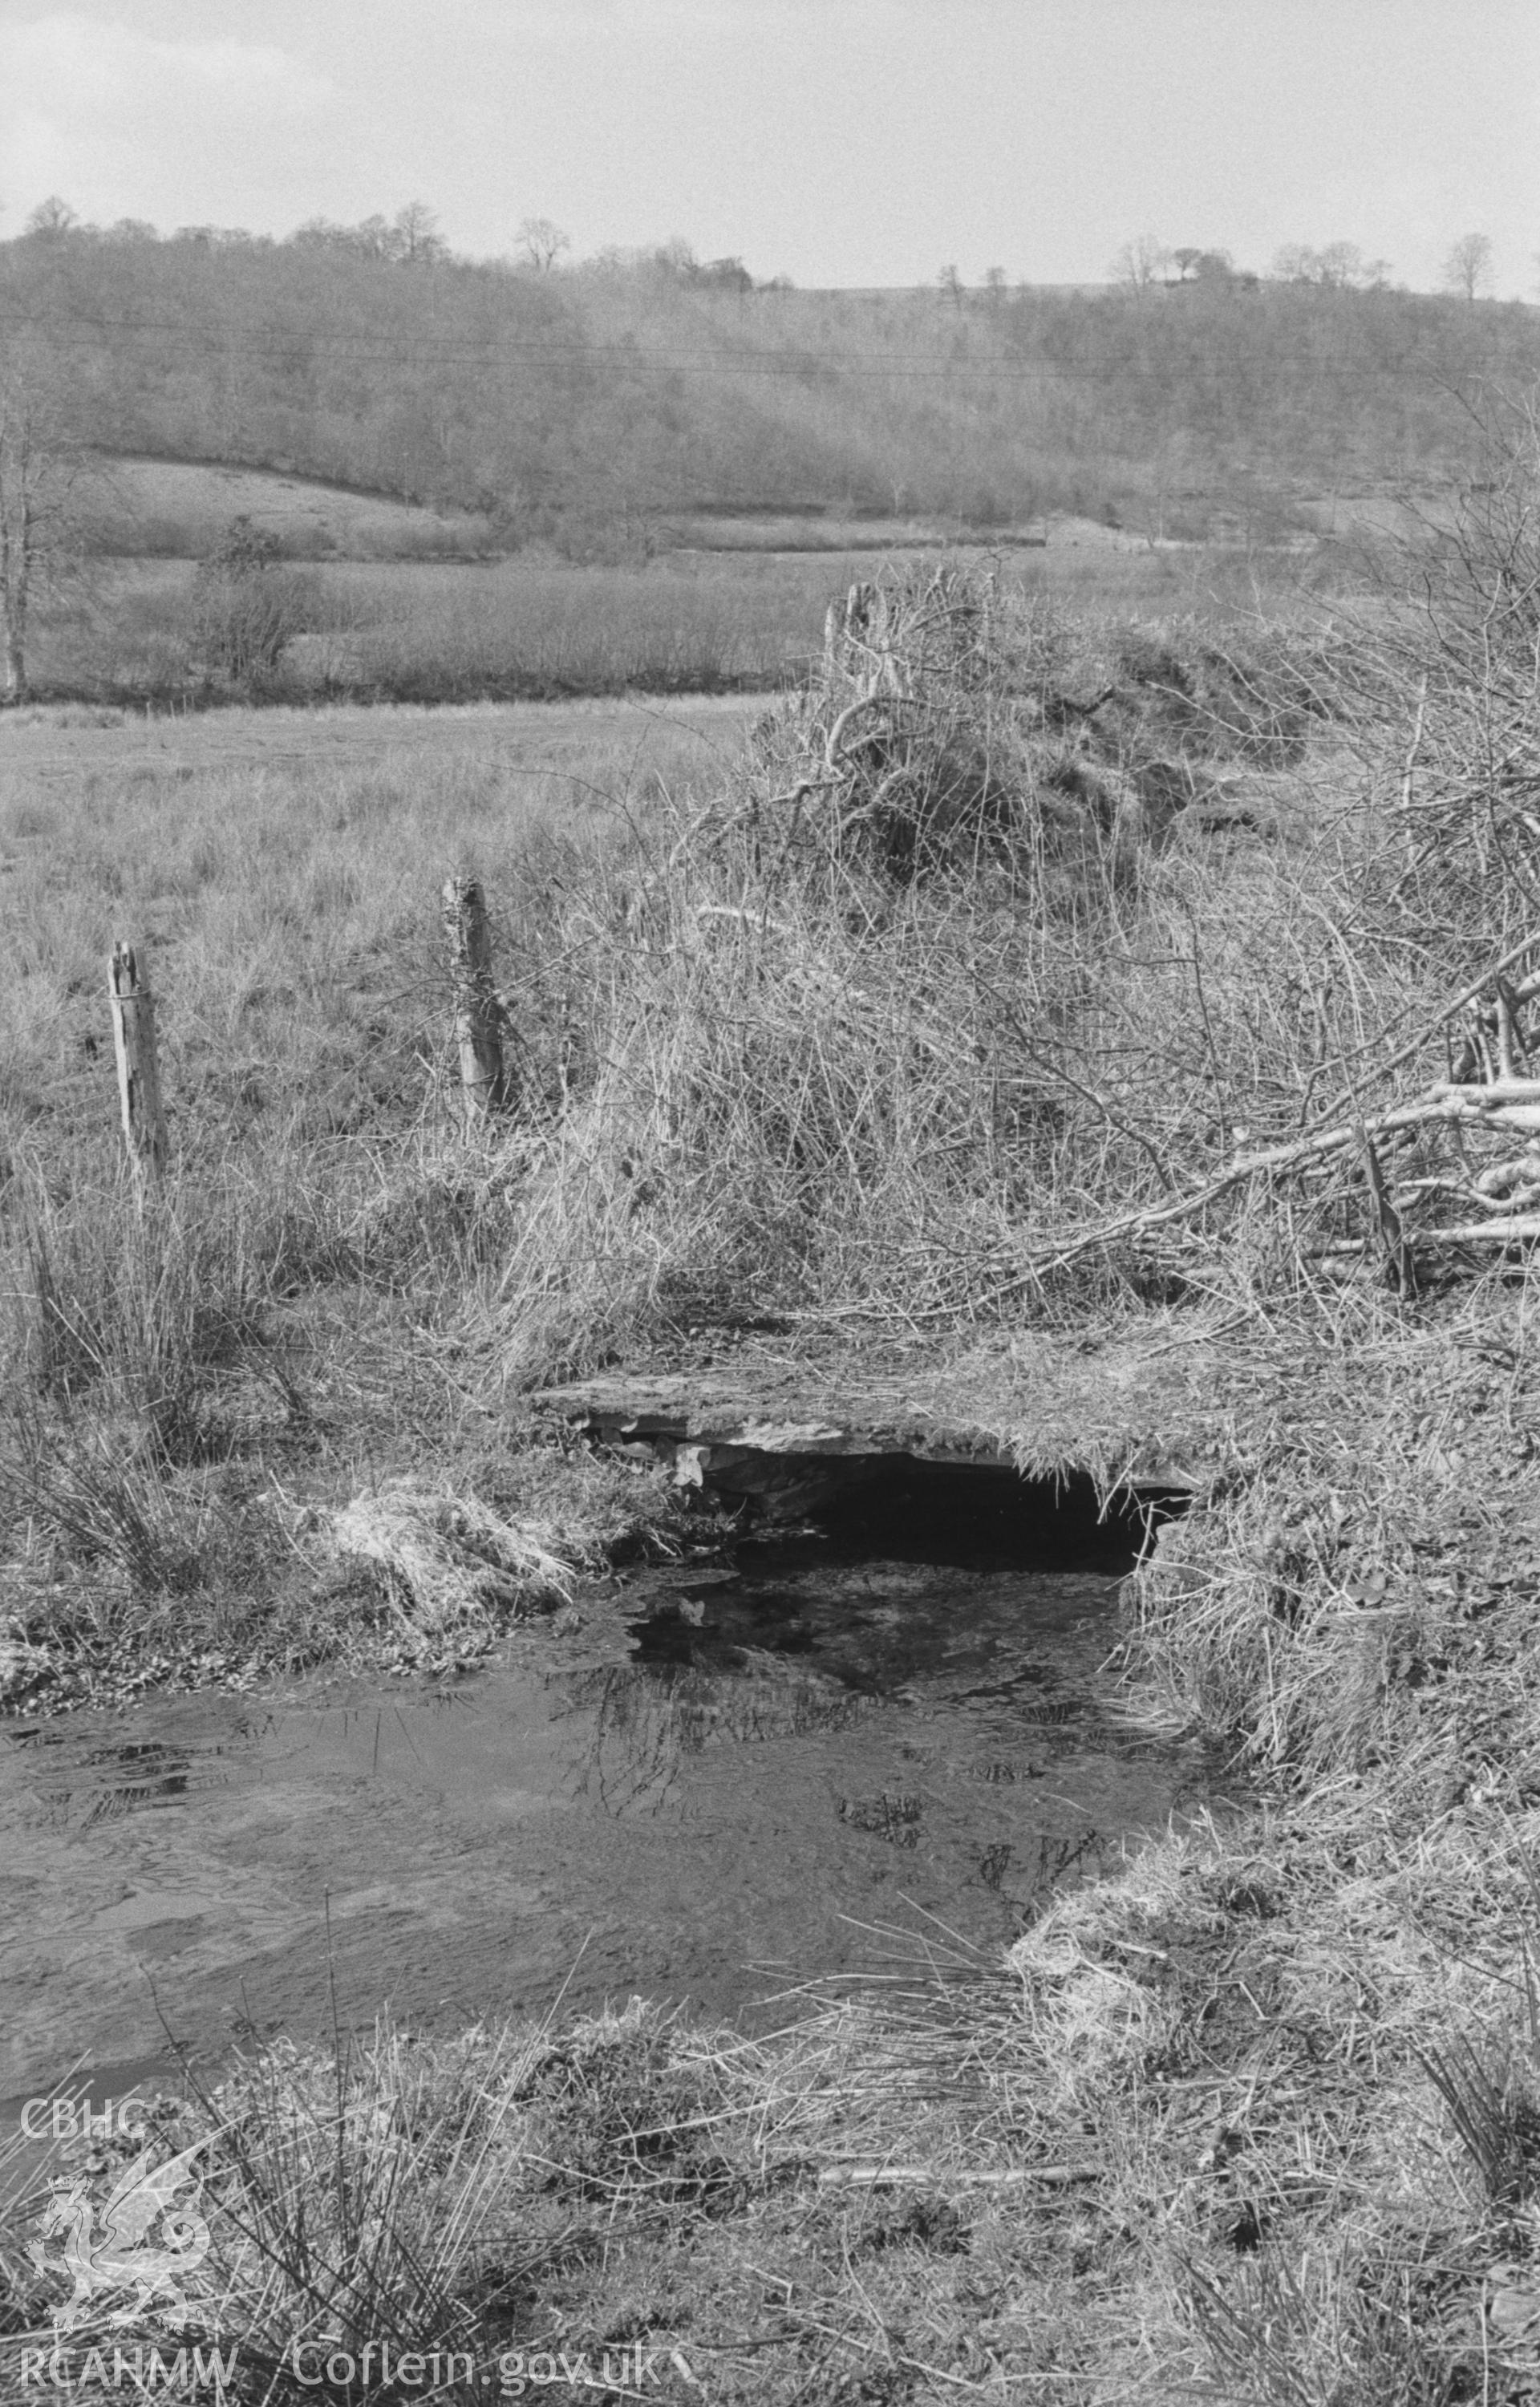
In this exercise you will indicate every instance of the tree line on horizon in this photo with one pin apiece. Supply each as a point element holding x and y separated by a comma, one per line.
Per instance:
<point>410,238</point>
<point>1335,266</point>
<point>413,237</point>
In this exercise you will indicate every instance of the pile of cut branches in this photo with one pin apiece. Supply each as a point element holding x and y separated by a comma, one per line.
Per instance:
<point>954,722</point>
<point>1469,1145</point>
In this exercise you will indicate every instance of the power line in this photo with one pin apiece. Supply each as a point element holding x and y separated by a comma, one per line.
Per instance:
<point>81,332</point>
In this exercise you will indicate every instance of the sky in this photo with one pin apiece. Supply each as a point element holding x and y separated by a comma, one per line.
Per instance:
<point>838,142</point>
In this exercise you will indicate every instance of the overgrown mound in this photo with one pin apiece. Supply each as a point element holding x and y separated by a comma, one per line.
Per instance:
<point>955,722</point>
<point>951,963</point>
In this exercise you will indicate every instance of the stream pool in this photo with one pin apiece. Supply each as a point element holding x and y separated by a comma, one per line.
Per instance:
<point>710,1782</point>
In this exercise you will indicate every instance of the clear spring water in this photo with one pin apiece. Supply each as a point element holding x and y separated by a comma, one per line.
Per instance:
<point>711,1783</point>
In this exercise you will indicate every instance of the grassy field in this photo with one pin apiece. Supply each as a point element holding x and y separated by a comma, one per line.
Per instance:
<point>290,1306</point>
<point>177,509</point>
<point>1071,977</point>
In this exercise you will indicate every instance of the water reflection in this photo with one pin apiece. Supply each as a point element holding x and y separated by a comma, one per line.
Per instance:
<point>99,1784</point>
<point>634,1727</point>
<point>709,1776</point>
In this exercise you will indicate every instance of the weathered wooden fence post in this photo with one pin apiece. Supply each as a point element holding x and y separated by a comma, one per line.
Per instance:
<point>478,1017</point>
<point>845,624</point>
<point>138,1066</point>
<point>833,629</point>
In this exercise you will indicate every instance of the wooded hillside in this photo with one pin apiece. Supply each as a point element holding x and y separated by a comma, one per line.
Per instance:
<point>606,392</point>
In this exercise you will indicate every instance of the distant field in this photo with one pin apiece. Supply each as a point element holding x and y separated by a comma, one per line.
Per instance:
<point>531,627</point>
<point>179,508</point>
<point>425,631</point>
<point>828,530</point>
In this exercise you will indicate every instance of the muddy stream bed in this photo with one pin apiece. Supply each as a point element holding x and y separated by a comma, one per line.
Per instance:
<point>709,1784</point>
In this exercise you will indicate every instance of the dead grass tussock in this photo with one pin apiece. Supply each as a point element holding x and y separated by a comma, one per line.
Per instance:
<point>1084,2009</point>
<point>362,2197</point>
<point>445,1559</point>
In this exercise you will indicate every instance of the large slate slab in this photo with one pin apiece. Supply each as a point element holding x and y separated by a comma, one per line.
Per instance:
<point>1135,1414</point>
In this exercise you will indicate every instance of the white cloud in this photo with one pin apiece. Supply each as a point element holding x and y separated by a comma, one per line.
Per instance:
<point>121,120</point>
<point>69,62</point>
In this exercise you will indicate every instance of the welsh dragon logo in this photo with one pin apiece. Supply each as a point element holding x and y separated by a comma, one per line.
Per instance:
<point>111,2250</point>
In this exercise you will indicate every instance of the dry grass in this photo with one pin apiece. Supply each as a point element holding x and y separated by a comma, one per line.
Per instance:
<point>882,1038</point>
<point>525,627</point>
<point>191,1393</point>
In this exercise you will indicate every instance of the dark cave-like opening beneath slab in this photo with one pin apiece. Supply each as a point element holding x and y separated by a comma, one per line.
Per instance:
<point>919,1508</point>
<point>905,1508</point>
<point>878,1569</point>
